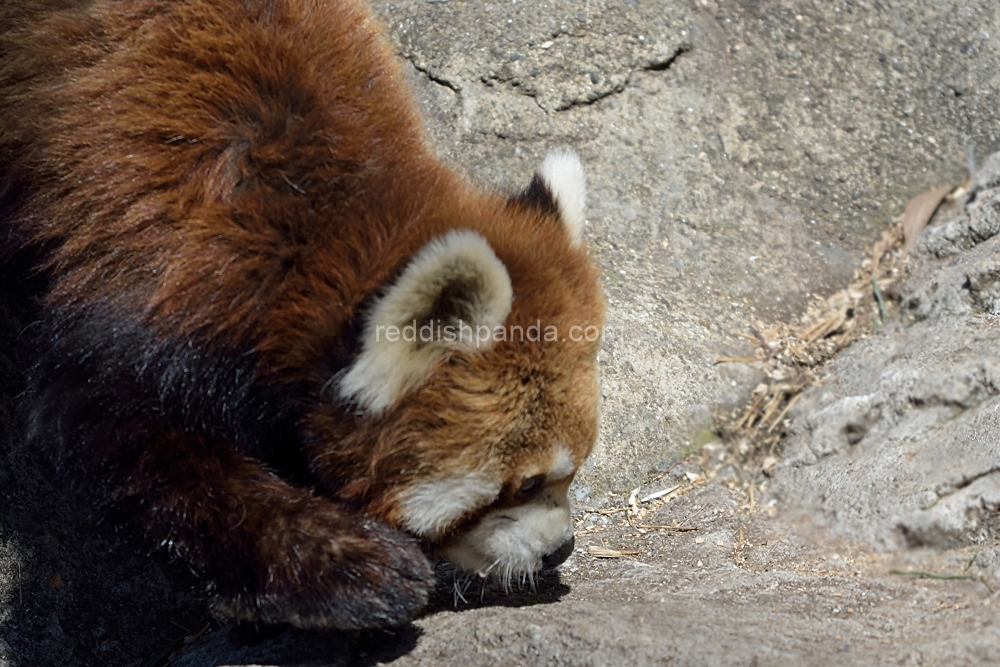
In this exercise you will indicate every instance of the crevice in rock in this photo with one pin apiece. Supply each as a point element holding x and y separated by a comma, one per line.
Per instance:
<point>657,66</point>
<point>441,81</point>
<point>981,387</point>
<point>965,482</point>
<point>968,481</point>
<point>664,65</point>
<point>593,100</point>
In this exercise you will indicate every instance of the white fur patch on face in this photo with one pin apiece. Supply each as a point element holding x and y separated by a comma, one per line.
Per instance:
<point>514,541</point>
<point>562,464</point>
<point>563,175</point>
<point>457,278</point>
<point>429,508</point>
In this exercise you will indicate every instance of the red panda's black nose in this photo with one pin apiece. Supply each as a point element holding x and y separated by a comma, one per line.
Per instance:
<point>559,555</point>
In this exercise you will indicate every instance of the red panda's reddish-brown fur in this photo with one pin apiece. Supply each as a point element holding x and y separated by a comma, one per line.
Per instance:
<point>216,191</point>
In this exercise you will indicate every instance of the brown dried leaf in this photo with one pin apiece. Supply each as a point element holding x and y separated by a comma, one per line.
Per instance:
<point>881,247</point>
<point>918,213</point>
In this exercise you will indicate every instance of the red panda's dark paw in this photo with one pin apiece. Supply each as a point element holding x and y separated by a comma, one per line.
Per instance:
<point>364,575</point>
<point>394,583</point>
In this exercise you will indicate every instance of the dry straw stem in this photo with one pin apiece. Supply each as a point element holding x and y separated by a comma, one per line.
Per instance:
<point>679,529</point>
<point>602,511</point>
<point>633,513</point>
<point>604,552</point>
<point>920,574</point>
<point>653,500</point>
<point>931,575</point>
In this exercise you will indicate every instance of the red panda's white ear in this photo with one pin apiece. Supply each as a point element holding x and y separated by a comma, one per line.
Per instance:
<point>558,188</point>
<point>448,297</point>
<point>563,175</point>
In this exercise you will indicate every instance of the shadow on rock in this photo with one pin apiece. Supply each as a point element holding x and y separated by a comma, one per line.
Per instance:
<point>284,645</point>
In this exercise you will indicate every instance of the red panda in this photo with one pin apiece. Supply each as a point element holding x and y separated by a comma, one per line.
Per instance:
<point>275,329</point>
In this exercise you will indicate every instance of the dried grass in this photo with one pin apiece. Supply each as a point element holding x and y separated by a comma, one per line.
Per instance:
<point>794,356</point>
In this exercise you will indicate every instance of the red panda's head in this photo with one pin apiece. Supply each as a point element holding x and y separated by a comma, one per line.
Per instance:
<point>473,399</point>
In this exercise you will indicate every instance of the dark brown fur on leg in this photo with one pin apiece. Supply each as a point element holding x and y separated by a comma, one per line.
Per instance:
<point>276,552</point>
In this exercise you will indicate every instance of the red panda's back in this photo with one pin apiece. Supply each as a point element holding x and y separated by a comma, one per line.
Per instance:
<point>149,145</point>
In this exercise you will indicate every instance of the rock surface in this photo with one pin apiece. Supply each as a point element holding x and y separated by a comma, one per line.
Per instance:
<point>740,155</point>
<point>901,447</point>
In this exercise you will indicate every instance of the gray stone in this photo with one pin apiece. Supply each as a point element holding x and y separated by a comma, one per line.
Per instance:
<point>740,158</point>
<point>900,446</point>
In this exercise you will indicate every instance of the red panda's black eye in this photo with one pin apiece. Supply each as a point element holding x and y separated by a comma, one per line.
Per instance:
<point>531,485</point>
